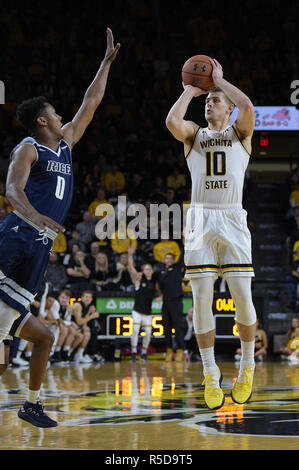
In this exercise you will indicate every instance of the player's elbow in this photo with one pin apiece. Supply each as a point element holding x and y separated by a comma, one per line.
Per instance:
<point>247,107</point>
<point>171,122</point>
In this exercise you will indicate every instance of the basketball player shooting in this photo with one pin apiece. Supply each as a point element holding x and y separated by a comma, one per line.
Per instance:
<point>39,186</point>
<point>217,157</point>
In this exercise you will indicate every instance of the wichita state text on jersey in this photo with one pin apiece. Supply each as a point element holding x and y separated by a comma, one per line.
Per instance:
<point>217,162</point>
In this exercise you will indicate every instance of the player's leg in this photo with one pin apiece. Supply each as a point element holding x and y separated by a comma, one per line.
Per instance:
<point>66,345</point>
<point>78,338</point>
<point>79,358</point>
<point>136,317</point>
<point>166,321</point>
<point>204,328</point>
<point>17,360</point>
<point>240,289</point>
<point>35,331</point>
<point>177,322</point>
<point>147,325</point>
<point>4,355</point>
<point>42,338</point>
<point>8,315</point>
<point>60,333</point>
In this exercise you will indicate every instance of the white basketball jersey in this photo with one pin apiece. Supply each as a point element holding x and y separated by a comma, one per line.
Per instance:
<point>217,162</point>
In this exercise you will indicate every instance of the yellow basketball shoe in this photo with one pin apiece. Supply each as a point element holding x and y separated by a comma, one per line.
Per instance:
<point>214,396</point>
<point>242,389</point>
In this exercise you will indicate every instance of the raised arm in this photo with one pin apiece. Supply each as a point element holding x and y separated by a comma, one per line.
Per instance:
<point>136,276</point>
<point>246,116</point>
<point>73,131</point>
<point>183,130</point>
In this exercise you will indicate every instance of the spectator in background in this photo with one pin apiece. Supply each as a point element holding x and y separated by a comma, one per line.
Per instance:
<point>75,240</point>
<point>294,196</point>
<point>122,238</point>
<point>176,180</point>
<point>169,285</point>
<point>166,246</point>
<point>191,348</point>
<point>158,194</point>
<point>113,193</point>
<point>102,273</point>
<point>56,275</point>
<point>49,315</point>
<point>78,274</point>
<point>137,188</point>
<point>93,179</point>
<point>170,196</point>
<point>60,243</point>
<point>83,198</point>
<point>86,228</point>
<point>294,233</point>
<point>116,176</point>
<point>71,255</point>
<point>123,280</point>
<point>90,259</point>
<point>292,280</point>
<point>74,337</point>
<point>86,317</point>
<point>162,168</point>
<point>100,199</point>
<point>291,335</point>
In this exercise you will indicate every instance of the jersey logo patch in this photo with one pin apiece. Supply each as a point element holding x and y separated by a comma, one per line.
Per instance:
<point>16,228</point>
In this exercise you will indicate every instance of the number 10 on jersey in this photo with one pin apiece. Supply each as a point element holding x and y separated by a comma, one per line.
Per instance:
<point>215,163</point>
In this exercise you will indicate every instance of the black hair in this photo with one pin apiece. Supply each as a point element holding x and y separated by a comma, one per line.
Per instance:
<point>29,110</point>
<point>170,254</point>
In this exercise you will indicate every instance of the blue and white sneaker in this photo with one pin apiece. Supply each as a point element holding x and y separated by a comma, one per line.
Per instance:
<point>34,413</point>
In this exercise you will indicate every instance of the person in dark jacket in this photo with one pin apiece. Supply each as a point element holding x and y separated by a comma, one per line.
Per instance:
<point>170,286</point>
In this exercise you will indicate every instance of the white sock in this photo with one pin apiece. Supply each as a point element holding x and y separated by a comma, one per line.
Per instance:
<point>57,348</point>
<point>80,352</point>
<point>247,358</point>
<point>208,361</point>
<point>134,350</point>
<point>66,348</point>
<point>33,396</point>
<point>18,355</point>
<point>28,353</point>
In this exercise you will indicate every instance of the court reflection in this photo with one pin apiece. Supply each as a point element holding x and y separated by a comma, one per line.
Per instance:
<point>96,405</point>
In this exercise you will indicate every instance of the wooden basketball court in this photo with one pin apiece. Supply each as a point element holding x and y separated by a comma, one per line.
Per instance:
<point>152,406</point>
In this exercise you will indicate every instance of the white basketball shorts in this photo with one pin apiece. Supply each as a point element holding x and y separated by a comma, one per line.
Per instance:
<point>217,242</point>
<point>141,319</point>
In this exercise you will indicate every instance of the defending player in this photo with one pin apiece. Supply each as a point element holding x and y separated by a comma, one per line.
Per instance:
<point>40,186</point>
<point>217,233</point>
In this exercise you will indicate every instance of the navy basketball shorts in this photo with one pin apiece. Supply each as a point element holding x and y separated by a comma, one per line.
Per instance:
<point>24,257</point>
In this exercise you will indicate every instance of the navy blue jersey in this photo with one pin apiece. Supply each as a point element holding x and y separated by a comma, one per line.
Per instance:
<point>50,184</point>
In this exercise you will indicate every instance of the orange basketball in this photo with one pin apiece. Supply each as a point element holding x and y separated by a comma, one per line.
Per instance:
<point>197,71</point>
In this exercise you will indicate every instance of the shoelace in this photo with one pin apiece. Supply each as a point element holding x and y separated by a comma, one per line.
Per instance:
<point>213,383</point>
<point>43,237</point>
<point>38,409</point>
<point>247,375</point>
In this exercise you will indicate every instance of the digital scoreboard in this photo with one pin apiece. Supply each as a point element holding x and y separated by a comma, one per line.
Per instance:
<point>118,323</point>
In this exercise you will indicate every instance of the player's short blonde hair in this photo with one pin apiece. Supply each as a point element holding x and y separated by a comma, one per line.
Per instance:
<point>226,97</point>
